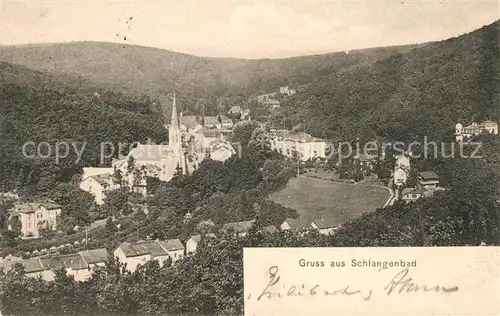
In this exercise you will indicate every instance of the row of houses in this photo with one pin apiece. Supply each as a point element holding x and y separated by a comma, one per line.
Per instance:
<point>79,265</point>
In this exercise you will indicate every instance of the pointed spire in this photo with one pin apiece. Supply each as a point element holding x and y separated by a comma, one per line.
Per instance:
<point>174,121</point>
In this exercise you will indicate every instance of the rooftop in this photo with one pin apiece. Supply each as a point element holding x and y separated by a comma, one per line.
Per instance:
<point>428,175</point>
<point>238,227</point>
<point>95,255</point>
<point>150,152</point>
<point>410,191</point>
<point>172,244</point>
<point>324,223</point>
<point>270,229</point>
<point>297,223</point>
<point>196,238</point>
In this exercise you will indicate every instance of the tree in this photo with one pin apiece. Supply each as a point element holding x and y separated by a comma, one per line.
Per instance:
<point>110,227</point>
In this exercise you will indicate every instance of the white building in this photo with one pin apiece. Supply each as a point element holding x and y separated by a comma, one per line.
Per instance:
<point>192,243</point>
<point>289,143</point>
<point>410,195</point>
<point>99,185</point>
<point>135,254</point>
<point>35,215</point>
<point>401,170</point>
<point>325,226</point>
<point>239,228</point>
<point>288,91</point>
<point>474,129</point>
<point>428,182</point>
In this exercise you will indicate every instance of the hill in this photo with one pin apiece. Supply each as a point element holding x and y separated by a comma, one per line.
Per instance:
<point>37,107</point>
<point>156,72</point>
<point>408,95</point>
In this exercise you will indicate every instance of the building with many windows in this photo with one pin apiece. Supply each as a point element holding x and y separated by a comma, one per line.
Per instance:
<point>292,144</point>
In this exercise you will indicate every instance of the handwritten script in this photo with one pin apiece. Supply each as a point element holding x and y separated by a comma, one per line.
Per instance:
<point>400,283</point>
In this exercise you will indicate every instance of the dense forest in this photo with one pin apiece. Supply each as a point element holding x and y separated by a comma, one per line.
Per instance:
<point>35,107</point>
<point>407,96</point>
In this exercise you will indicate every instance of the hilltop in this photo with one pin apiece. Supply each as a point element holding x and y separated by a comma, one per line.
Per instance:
<point>155,72</point>
<point>424,91</point>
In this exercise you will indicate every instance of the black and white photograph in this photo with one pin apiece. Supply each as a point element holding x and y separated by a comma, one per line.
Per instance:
<point>145,144</point>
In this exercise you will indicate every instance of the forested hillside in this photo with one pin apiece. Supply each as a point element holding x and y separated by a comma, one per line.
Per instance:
<point>35,107</point>
<point>408,95</point>
<point>156,72</point>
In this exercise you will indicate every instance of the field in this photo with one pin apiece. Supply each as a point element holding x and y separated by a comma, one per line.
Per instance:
<point>314,198</point>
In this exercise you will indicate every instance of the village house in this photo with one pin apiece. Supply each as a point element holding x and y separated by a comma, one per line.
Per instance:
<point>302,144</point>
<point>33,268</point>
<point>288,91</point>
<point>237,110</point>
<point>192,243</point>
<point>295,224</point>
<point>239,228</point>
<point>135,254</point>
<point>190,122</point>
<point>427,182</point>
<point>271,103</point>
<point>264,97</point>
<point>174,247</point>
<point>410,195</point>
<point>271,229</point>
<point>35,215</point>
<point>99,185</point>
<point>474,129</point>
<point>95,257</point>
<point>73,264</point>
<point>401,170</point>
<point>325,226</point>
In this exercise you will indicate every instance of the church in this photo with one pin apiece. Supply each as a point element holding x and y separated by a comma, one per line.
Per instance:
<point>183,154</point>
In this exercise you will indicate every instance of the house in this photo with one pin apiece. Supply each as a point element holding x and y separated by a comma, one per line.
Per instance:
<point>410,194</point>
<point>192,243</point>
<point>35,215</point>
<point>400,176</point>
<point>264,97</point>
<point>271,103</point>
<point>135,254</point>
<point>302,144</point>
<point>73,264</point>
<point>33,268</point>
<point>401,170</point>
<point>239,228</point>
<point>427,182</point>
<point>220,151</point>
<point>218,122</point>
<point>288,91</point>
<point>271,229</point>
<point>474,129</point>
<point>295,224</point>
<point>95,257</point>
<point>174,247</point>
<point>325,226</point>
<point>99,185</point>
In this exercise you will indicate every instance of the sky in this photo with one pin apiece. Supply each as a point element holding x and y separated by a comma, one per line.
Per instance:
<point>243,29</point>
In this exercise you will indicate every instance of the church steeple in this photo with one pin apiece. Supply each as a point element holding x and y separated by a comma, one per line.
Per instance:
<point>174,133</point>
<point>174,139</point>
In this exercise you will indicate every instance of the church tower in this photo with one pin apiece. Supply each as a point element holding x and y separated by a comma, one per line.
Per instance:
<point>175,141</point>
